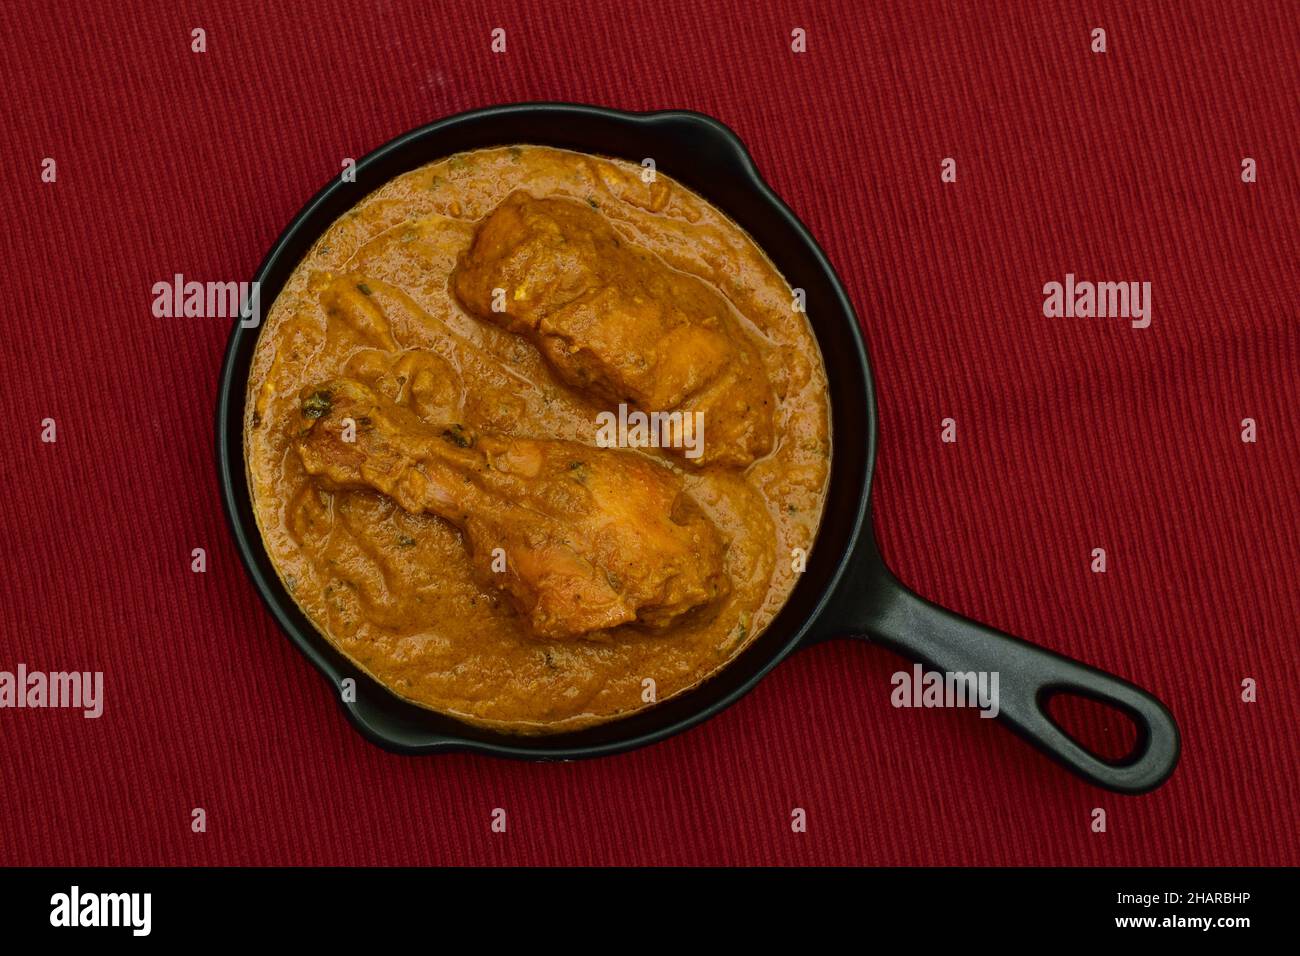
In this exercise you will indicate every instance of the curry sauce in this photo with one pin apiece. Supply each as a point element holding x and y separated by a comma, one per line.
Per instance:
<point>421,438</point>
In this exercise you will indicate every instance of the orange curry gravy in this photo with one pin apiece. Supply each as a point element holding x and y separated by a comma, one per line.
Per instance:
<point>393,590</point>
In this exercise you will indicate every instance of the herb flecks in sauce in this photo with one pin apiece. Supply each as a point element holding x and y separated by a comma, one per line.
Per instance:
<point>316,404</point>
<point>458,436</point>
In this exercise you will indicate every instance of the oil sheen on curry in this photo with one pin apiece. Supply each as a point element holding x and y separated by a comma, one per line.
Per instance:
<point>535,442</point>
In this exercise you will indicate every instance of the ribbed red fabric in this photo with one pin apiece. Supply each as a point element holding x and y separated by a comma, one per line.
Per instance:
<point>1072,433</point>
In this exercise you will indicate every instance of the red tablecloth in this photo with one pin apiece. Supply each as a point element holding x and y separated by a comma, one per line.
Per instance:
<point>1073,433</point>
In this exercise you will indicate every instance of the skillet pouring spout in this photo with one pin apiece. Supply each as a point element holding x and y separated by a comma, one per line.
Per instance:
<point>873,603</point>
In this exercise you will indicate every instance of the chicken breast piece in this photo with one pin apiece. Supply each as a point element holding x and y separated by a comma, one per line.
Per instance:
<point>617,322</point>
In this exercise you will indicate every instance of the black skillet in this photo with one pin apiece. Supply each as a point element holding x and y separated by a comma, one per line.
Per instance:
<point>846,589</point>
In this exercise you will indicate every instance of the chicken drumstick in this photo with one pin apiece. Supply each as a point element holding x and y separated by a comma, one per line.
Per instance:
<point>592,538</point>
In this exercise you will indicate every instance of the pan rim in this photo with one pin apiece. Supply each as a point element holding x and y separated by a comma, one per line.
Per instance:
<point>232,477</point>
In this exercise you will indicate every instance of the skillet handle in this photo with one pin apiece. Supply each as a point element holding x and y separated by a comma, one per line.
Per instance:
<point>1028,676</point>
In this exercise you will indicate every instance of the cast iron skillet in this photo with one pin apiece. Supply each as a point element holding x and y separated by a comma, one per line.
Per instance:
<point>846,589</point>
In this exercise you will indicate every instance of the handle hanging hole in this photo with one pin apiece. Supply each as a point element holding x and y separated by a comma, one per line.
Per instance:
<point>1104,730</point>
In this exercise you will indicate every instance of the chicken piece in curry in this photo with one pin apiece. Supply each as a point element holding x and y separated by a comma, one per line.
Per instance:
<point>619,322</point>
<point>595,538</point>
<point>421,438</point>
